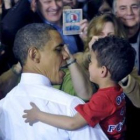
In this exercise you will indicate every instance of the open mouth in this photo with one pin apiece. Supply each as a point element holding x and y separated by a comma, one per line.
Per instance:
<point>129,18</point>
<point>63,67</point>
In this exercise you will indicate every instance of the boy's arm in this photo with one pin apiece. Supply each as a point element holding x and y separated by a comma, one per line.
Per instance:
<point>60,121</point>
<point>80,79</point>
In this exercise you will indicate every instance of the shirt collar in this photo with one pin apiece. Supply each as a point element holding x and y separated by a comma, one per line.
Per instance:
<point>49,23</point>
<point>35,79</point>
<point>53,25</point>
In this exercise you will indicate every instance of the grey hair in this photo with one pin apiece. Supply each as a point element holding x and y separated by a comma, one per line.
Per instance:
<point>32,35</point>
<point>114,9</point>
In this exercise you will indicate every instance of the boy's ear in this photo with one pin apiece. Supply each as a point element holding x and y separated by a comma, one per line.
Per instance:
<point>104,71</point>
<point>34,54</point>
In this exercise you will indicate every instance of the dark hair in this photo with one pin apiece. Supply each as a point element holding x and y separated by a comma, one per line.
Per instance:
<point>91,8</point>
<point>32,35</point>
<point>116,54</point>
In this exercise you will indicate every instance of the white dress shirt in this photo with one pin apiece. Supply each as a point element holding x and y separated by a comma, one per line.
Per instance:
<point>37,88</point>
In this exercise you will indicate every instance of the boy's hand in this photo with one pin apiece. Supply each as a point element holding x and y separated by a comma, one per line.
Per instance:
<point>92,41</point>
<point>32,114</point>
<point>70,56</point>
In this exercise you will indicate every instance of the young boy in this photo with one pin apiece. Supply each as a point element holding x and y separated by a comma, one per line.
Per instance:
<point>112,59</point>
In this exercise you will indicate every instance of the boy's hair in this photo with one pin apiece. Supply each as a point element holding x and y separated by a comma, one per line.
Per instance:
<point>116,54</point>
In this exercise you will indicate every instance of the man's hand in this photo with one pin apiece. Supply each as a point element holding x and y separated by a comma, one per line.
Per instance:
<point>32,114</point>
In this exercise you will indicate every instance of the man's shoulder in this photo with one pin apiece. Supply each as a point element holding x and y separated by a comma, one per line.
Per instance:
<point>64,98</point>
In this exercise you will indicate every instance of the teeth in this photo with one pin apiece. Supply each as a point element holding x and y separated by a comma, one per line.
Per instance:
<point>53,12</point>
<point>129,18</point>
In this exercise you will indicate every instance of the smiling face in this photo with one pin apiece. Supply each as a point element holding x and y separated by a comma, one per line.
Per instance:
<point>51,9</point>
<point>53,57</point>
<point>129,12</point>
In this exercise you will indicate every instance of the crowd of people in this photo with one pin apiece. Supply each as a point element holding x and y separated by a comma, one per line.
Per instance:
<point>93,77</point>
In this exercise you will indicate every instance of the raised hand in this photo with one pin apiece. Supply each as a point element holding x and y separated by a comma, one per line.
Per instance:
<point>92,41</point>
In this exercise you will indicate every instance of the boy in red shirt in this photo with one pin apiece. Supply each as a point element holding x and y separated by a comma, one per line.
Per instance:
<point>112,59</point>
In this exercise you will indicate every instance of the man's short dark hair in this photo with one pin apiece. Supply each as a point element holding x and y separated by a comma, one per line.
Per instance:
<point>116,54</point>
<point>32,35</point>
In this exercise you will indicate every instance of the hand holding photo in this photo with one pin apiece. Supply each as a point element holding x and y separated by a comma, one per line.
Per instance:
<point>71,21</point>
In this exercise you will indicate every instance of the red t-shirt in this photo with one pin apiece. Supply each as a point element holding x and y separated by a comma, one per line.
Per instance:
<point>107,107</point>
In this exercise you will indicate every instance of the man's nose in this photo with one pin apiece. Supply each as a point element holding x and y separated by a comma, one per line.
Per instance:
<point>129,11</point>
<point>54,4</point>
<point>65,55</point>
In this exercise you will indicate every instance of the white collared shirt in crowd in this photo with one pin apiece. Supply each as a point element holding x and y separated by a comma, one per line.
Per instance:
<point>37,88</point>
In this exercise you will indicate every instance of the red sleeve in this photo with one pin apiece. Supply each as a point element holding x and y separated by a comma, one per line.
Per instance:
<point>97,109</point>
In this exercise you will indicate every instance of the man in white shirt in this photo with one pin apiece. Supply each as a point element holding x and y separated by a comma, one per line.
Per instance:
<point>40,50</point>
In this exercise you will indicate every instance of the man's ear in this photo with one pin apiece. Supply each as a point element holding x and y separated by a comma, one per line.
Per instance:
<point>104,71</point>
<point>34,54</point>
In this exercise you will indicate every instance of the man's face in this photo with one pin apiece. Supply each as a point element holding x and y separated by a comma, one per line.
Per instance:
<point>53,57</point>
<point>129,12</point>
<point>51,9</point>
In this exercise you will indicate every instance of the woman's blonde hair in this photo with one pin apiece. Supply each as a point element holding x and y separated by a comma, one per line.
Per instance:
<point>96,26</point>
